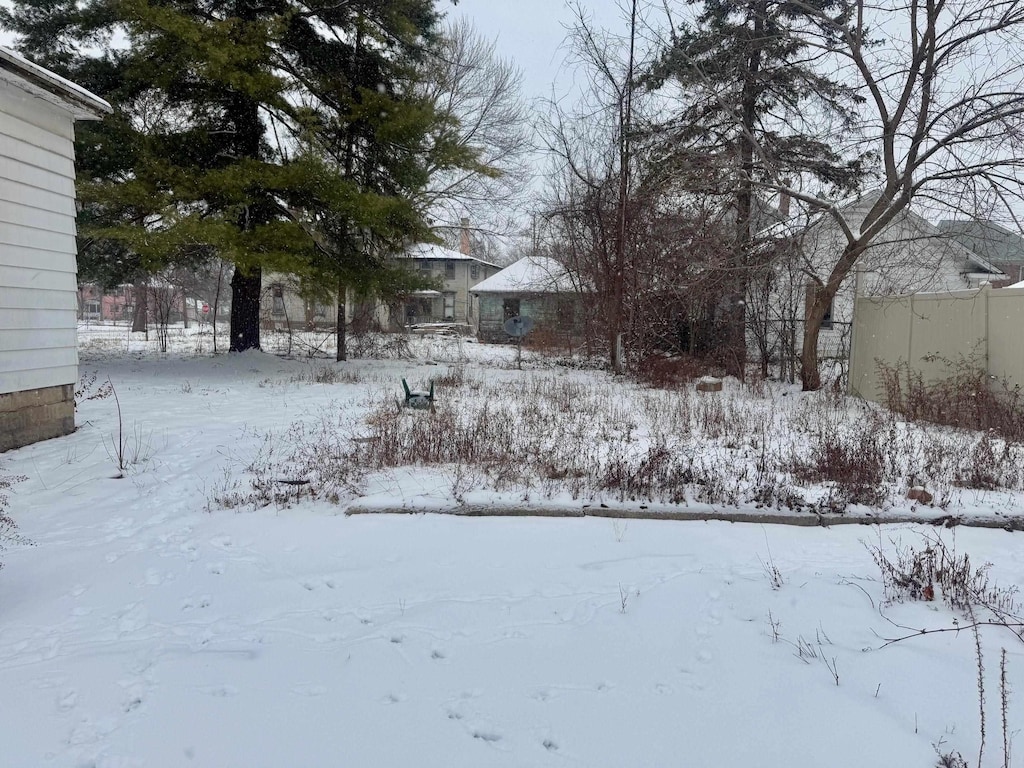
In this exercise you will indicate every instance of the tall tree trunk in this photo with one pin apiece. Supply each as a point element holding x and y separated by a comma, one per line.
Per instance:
<point>141,316</point>
<point>216,301</point>
<point>735,341</point>
<point>622,217</point>
<point>810,375</point>
<point>342,353</point>
<point>246,286</point>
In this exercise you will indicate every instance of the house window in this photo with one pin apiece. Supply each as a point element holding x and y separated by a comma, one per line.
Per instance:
<point>449,305</point>
<point>449,270</point>
<point>474,271</point>
<point>826,321</point>
<point>425,267</point>
<point>510,308</point>
<point>277,292</point>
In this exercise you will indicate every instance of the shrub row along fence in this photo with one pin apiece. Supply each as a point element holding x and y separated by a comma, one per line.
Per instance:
<point>930,336</point>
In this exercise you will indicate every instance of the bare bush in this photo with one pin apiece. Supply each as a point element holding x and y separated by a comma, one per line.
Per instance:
<point>935,572</point>
<point>968,397</point>
<point>8,528</point>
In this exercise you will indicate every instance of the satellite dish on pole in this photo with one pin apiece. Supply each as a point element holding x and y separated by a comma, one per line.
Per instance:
<point>518,326</point>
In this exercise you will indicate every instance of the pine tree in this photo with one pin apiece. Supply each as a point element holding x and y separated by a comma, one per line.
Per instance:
<point>753,99</point>
<point>275,134</point>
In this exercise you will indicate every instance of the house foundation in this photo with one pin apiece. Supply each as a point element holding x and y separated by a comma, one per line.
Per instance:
<point>36,414</point>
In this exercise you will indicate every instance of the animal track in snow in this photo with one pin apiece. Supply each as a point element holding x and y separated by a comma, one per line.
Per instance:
<point>67,701</point>
<point>488,736</point>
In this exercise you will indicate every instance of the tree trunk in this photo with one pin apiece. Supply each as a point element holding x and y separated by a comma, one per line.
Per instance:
<point>810,375</point>
<point>141,316</point>
<point>342,353</point>
<point>246,286</point>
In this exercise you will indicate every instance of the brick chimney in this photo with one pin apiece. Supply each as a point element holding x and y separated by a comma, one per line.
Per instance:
<point>464,246</point>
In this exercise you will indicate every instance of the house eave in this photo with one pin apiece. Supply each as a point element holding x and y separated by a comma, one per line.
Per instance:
<point>41,83</point>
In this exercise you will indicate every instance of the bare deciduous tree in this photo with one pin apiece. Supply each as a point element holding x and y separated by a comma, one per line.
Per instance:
<point>484,119</point>
<point>944,89</point>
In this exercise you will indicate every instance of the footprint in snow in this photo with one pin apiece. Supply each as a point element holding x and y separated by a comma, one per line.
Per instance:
<point>67,701</point>
<point>437,655</point>
<point>397,639</point>
<point>215,568</point>
<point>309,689</point>
<point>549,745</point>
<point>219,691</point>
<point>132,703</point>
<point>705,656</point>
<point>488,736</point>
<point>190,603</point>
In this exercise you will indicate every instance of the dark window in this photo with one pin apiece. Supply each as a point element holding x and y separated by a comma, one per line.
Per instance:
<point>826,321</point>
<point>474,271</point>
<point>278,294</point>
<point>510,308</point>
<point>449,270</point>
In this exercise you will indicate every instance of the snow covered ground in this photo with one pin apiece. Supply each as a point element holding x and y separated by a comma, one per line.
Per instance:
<point>149,626</point>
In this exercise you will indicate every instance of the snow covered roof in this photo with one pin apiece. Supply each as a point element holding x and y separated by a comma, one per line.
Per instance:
<point>1017,285</point>
<point>532,274</point>
<point>438,252</point>
<point>52,88</point>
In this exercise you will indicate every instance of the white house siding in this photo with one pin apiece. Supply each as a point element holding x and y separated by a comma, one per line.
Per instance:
<point>38,304</point>
<point>910,256</point>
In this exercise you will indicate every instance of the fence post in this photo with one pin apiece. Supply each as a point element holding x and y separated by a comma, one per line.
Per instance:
<point>986,289</point>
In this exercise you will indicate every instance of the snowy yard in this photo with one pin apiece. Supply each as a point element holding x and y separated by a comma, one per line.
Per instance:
<point>151,625</point>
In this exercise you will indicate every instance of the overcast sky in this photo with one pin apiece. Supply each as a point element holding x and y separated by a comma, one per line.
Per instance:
<point>531,34</point>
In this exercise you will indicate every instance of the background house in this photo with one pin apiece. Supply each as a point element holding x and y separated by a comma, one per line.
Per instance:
<point>910,256</point>
<point>537,287</point>
<point>996,244</point>
<point>38,287</point>
<point>457,272</point>
<point>283,307</point>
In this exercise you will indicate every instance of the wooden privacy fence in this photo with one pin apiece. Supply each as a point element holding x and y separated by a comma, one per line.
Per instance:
<point>924,330</point>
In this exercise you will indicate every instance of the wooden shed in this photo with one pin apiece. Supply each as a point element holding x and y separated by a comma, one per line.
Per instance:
<point>38,271</point>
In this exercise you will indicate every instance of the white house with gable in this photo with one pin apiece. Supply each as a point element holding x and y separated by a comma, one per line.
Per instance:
<point>38,270</point>
<point>911,255</point>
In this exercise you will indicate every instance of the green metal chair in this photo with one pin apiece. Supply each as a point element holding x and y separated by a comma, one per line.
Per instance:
<point>418,398</point>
